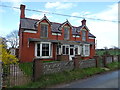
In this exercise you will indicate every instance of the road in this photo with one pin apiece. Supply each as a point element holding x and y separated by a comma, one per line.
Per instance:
<point>106,80</point>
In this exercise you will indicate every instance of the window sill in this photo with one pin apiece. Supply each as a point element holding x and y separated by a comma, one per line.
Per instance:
<point>44,57</point>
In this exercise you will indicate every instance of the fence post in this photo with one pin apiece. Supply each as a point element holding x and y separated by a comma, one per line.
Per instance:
<point>76,62</point>
<point>104,61</point>
<point>112,58</point>
<point>96,59</point>
<point>1,72</point>
<point>118,58</point>
<point>37,69</point>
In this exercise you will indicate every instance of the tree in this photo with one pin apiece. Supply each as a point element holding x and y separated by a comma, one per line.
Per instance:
<point>13,39</point>
<point>105,48</point>
<point>3,41</point>
<point>6,57</point>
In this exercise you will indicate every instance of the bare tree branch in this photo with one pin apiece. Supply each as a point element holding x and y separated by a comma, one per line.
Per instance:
<point>13,39</point>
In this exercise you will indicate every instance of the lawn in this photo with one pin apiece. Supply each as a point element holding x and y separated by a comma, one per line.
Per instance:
<point>27,68</point>
<point>111,52</point>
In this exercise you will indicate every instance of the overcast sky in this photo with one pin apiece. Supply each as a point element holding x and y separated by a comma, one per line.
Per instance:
<point>106,32</point>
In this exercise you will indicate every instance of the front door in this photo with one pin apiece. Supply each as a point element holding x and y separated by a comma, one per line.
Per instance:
<point>72,53</point>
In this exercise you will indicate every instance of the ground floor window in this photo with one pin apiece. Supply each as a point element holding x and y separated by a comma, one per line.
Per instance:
<point>58,49</point>
<point>77,51</point>
<point>86,50</point>
<point>43,49</point>
<point>65,49</point>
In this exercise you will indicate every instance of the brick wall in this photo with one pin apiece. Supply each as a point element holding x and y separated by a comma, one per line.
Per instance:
<point>41,68</point>
<point>87,63</point>
<point>57,66</point>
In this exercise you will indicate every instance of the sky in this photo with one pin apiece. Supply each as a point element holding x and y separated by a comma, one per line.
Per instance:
<point>106,32</point>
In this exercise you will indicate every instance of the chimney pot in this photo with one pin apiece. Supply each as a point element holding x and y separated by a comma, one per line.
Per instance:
<point>83,22</point>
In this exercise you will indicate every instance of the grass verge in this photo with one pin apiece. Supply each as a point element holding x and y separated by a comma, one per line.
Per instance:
<point>114,65</point>
<point>62,77</point>
<point>68,76</point>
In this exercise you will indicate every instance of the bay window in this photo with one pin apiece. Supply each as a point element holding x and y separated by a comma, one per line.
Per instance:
<point>86,50</point>
<point>44,50</point>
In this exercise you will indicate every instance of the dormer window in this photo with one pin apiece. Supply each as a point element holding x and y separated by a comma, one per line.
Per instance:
<point>66,33</point>
<point>83,35</point>
<point>44,30</point>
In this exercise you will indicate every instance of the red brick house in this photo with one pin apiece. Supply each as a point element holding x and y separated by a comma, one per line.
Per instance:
<point>48,40</point>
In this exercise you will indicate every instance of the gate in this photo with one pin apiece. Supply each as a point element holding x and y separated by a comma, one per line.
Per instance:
<point>14,76</point>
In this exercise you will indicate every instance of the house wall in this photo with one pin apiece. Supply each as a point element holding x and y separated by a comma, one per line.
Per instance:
<point>27,51</point>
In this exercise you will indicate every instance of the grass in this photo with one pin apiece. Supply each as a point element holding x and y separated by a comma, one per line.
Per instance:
<point>63,77</point>
<point>27,68</point>
<point>114,65</point>
<point>68,76</point>
<point>48,61</point>
<point>111,52</point>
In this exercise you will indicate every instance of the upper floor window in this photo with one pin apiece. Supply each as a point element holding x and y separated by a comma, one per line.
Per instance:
<point>44,30</point>
<point>83,35</point>
<point>66,33</point>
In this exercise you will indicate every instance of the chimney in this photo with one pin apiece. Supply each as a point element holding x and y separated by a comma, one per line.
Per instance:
<point>83,22</point>
<point>22,13</point>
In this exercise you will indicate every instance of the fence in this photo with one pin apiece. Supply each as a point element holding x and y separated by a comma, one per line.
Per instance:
<point>41,68</point>
<point>1,74</point>
<point>14,76</point>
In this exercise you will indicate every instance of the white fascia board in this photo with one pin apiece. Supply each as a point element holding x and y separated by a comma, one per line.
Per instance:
<point>29,31</point>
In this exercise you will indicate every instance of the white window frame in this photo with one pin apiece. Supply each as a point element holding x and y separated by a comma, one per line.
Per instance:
<point>84,36</point>
<point>84,47</point>
<point>56,34</point>
<point>41,30</point>
<point>68,33</point>
<point>59,52</point>
<point>65,49</point>
<point>77,36</point>
<point>50,50</point>
<point>91,38</point>
<point>29,31</point>
<point>78,49</point>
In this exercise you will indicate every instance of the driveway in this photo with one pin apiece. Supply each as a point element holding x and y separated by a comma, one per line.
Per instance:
<point>107,80</point>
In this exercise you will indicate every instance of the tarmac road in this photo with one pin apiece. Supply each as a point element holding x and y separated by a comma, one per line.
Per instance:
<point>106,80</point>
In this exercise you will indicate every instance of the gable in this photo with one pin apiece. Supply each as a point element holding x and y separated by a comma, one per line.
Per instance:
<point>44,19</point>
<point>84,28</point>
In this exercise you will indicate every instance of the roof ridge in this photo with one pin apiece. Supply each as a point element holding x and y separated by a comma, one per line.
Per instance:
<point>31,19</point>
<point>56,23</point>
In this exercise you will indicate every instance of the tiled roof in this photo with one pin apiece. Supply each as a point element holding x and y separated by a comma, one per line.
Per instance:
<point>55,27</point>
<point>60,41</point>
<point>27,23</point>
<point>91,35</point>
<point>76,30</point>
